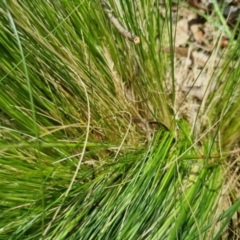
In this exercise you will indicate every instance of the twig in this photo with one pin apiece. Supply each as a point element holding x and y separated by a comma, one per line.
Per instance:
<point>117,24</point>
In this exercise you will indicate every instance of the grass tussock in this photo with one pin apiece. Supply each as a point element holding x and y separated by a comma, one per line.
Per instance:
<point>98,140</point>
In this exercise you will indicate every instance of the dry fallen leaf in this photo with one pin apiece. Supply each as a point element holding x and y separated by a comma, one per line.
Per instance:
<point>181,52</point>
<point>199,91</point>
<point>196,4</point>
<point>224,42</point>
<point>182,34</point>
<point>200,58</point>
<point>194,91</point>
<point>198,34</point>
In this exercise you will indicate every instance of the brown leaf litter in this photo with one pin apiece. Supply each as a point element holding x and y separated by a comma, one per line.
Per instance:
<point>198,56</point>
<point>198,53</point>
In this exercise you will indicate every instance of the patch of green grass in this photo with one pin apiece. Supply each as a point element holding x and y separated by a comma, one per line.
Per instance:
<point>90,147</point>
